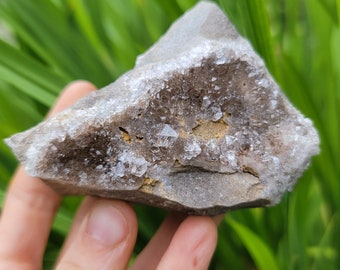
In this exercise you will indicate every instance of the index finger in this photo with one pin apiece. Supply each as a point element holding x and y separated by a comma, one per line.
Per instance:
<point>30,205</point>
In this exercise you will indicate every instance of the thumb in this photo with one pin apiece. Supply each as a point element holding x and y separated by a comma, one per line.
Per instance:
<point>102,236</point>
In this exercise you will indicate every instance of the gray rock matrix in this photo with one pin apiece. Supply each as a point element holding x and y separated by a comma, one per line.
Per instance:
<point>198,126</point>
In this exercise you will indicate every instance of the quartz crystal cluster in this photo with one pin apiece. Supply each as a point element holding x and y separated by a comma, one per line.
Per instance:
<point>198,125</point>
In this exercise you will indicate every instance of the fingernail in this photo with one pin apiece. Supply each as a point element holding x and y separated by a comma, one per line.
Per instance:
<point>107,225</point>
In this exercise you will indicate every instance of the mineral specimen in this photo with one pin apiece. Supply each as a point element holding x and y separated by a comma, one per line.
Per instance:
<point>197,126</point>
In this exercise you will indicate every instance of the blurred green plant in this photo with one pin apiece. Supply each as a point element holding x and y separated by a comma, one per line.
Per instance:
<point>44,44</point>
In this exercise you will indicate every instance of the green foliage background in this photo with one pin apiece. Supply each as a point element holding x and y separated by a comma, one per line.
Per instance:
<point>44,44</point>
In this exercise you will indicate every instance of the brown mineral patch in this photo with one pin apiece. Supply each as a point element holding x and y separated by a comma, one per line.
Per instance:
<point>246,169</point>
<point>148,184</point>
<point>208,130</point>
<point>124,134</point>
<point>181,122</point>
<point>183,134</point>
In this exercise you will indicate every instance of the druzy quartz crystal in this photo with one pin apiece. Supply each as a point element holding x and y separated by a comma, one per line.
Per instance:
<point>198,125</point>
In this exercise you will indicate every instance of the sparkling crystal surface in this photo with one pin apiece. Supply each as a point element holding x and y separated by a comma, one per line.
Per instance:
<point>198,125</point>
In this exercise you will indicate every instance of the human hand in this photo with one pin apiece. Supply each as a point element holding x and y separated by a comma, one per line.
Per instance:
<point>103,233</point>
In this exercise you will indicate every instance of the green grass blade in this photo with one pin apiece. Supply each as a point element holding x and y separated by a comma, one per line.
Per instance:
<point>260,252</point>
<point>44,39</point>
<point>330,6</point>
<point>324,253</point>
<point>30,69</point>
<point>26,86</point>
<point>63,221</point>
<point>252,20</point>
<point>88,15</point>
<point>186,4</point>
<point>2,197</point>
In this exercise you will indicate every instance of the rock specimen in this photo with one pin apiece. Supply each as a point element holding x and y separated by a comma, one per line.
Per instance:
<point>197,126</point>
